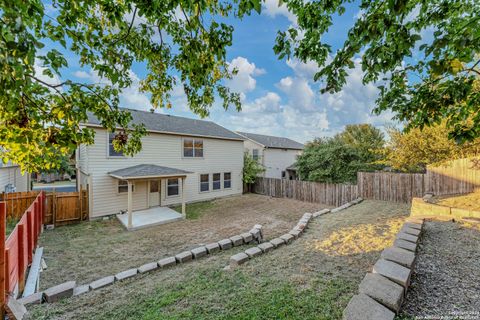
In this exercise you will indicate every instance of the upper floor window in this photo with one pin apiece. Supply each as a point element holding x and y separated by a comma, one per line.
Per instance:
<point>227,180</point>
<point>255,154</point>
<point>111,149</point>
<point>216,181</point>
<point>172,187</point>
<point>192,148</point>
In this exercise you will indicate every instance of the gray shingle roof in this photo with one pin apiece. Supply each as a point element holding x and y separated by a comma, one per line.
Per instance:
<point>273,142</point>
<point>176,125</point>
<point>146,170</point>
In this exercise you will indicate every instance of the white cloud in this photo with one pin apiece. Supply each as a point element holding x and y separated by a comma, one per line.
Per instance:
<point>268,103</point>
<point>299,92</point>
<point>272,8</point>
<point>244,80</point>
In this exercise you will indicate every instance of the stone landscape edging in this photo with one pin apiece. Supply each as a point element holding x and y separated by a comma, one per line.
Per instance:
<point>381,293</point>
<point>242,257</point>
<point>70,288</point>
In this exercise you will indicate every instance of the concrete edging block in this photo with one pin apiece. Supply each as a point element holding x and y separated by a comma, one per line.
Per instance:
<point>398,255</point>
<point>126,274</point>
<point>199,252</point>
<point>103,282</point>
<point>362,307</point>
<point>384,291</point>
<point>393,271</point>
<point>63,290</point>
<point>184,256</point>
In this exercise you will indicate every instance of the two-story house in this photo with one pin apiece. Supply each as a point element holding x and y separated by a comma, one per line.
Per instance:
<point>182,160</point>
<point>277,154</point>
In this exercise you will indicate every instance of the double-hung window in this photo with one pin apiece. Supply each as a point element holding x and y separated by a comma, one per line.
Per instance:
<point>123,186</point>
<point>111,149</point>
<point>204,182</point>
<point>227,180</point>
<point>216,181</point>
<point>172,187</point>
<point>255,154</point>
<point>192,148</point>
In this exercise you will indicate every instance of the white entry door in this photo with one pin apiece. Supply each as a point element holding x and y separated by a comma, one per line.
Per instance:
<point>154,196</point>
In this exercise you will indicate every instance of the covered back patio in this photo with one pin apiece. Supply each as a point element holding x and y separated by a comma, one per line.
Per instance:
<point>153,175</point>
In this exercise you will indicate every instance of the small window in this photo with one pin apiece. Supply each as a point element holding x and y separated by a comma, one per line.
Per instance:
<point>284,174</point>
<point>204,183</point>
<point>123,186</point>
<point>111,149</point>
<point>172,187</point>
<point>192,148</point>
<point>255,154</point>
<point>227,180</point>
<point>216,181</point>
<point>154,186</point>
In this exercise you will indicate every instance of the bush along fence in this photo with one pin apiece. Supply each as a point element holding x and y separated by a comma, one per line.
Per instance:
<point>381,292</point>
<point>18,248</point>
<point>456,177</point>
<point>60,207</point>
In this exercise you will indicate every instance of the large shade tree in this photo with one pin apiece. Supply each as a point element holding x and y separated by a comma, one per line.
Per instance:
<point>440,82</point>
<point>180,42</point>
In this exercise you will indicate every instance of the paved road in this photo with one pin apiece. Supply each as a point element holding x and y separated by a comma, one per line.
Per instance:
<point>58,188</point>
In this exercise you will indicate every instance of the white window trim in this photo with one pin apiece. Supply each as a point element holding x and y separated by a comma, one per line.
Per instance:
<point>223,180</point>
<point>200,183</point>
<point>166,188</point>
<point>182,149</point>
<point>122,193</point>
<point>108,149</point>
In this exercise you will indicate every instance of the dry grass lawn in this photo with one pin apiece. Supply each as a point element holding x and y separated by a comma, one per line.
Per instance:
<point>91,250</point>
<point>469,201</point>
<point>312,278</point>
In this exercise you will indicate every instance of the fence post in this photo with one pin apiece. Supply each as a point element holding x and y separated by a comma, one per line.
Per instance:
<point>3,270</point>
<point>21,257</point>
<point>30,225</point>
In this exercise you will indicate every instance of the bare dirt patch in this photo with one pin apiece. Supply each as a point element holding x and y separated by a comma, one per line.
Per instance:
<point>297,281</point>
<point>446,278</point>
<point>91,250</point>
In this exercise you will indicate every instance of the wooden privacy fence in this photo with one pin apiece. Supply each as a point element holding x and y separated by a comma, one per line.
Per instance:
<point>333,194</point>
<point>19,247</point>
<point>60,207</point>
<point>455,177</point>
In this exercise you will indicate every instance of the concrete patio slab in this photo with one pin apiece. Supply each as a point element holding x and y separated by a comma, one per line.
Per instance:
<point>150,217</point>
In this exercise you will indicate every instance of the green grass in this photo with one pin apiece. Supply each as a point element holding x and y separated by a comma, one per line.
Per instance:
<point>11,223</point>
<point>214,294</point>
<point>195,210</point>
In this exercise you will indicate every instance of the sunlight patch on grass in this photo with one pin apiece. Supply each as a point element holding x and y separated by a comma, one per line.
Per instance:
<point>469,201</point>
<point>195,210</point>
<point>358,239</point>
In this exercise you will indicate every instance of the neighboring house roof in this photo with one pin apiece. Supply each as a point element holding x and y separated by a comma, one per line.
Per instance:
<point>272,141</point>
<point>146,171</point>
<point>292,167</point>
<point>156,122</point>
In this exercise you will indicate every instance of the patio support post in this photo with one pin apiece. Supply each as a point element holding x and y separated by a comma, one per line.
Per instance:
<point>130,185</point>
<point>183,197</point>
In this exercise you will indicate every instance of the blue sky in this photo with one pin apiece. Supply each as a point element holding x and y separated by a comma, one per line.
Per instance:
<point>279,97</point>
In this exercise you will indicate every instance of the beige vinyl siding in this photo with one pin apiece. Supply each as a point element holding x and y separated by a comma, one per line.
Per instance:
<point>163,150</point>
<point>13,175</point>
<point>277,160</point>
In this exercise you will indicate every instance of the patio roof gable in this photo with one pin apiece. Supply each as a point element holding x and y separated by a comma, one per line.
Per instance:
<point>145,171</point>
